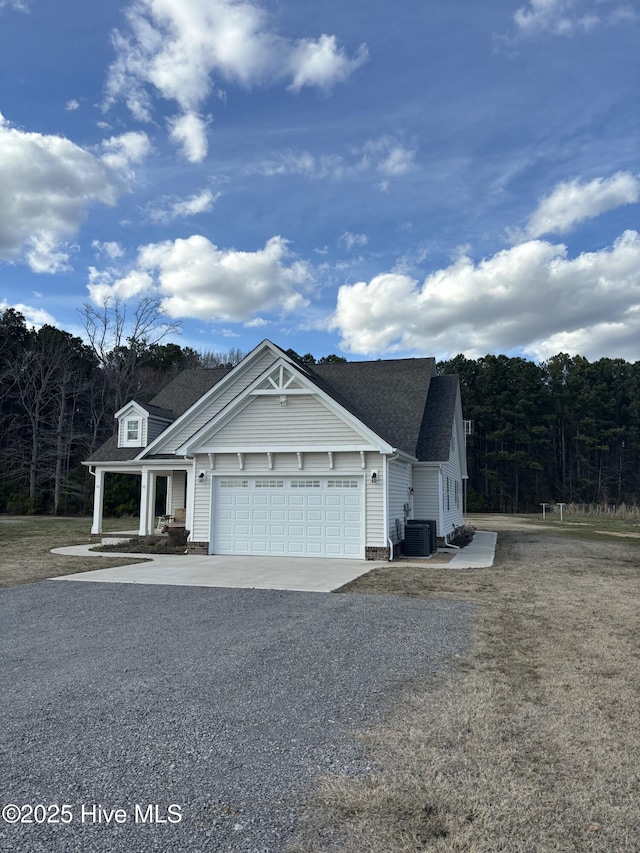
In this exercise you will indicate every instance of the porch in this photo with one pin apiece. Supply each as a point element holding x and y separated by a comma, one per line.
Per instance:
<point>163,501</point>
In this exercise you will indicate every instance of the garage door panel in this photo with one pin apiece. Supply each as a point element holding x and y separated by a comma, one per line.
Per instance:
<point>320,517</point>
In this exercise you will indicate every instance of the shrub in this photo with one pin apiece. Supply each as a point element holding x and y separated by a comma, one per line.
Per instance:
<point>462,536</point>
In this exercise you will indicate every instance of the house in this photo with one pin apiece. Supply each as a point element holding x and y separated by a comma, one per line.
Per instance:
<point>276,457</point>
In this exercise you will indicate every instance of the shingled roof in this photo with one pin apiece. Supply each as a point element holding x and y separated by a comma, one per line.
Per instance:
<point>174,400</point>
<point>435,433</point>
<point>388,396</point>
<point>187,388</point>
<point>401,400</point>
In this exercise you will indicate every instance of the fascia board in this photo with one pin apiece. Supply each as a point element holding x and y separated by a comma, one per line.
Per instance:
<point>209,430</point>
<point>293,448</point>
<point>235,373</point>
<point>134,466</point>
<point>131,406</point>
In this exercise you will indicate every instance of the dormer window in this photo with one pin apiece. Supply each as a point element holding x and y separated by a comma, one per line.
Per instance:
<point>132,431</point>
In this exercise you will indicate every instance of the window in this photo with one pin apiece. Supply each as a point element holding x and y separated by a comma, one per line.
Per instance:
<point>269,484</point>
<point>234,484</point>
<point>342,484</point>
<point>305,484</point>
<point>132,432</point>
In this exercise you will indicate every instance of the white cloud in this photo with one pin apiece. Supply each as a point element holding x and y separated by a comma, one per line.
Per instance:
<point>46,255</point>
<point>567,17</point>
<point>322,63</point>
<point>35,317</point>
<point>189,131</point>
<point>112,250</point>
<point>47,184</point>
<point>180,49</point>
<point>201,202</point>
<point>385,156</point>
<point>121,151</point>
<point>350,240</point>
<point>72,106</point>
<point>389,157</point>
<point>197,279</point>
<point>572,202</point>
<point>18,5</point>
<point>529,296</point>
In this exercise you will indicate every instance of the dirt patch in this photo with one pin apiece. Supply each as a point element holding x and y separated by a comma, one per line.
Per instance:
<point>26,543</point>
<point>533,743</point>
<point>441,558</point>
<point>623,535</point>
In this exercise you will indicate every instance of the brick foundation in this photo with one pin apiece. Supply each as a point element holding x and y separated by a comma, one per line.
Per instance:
<point>372,552</point>
<point>198,548</point>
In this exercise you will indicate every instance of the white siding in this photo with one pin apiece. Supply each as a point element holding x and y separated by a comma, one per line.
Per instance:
<point>216,405</point>
<point>305,420</point>
<point>399,483</point>
<point>374,533</point>
<point>202,505</point>
<point>446,505</point>
<point>178,491</point>
<point>452,509</point>
<point>426,494</point>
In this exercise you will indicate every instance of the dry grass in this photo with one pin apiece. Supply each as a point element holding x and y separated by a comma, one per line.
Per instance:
<point>26,542</point>
<point>533,744</point>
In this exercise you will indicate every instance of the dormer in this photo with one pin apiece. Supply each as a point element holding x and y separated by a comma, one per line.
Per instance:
<point>140,423</point>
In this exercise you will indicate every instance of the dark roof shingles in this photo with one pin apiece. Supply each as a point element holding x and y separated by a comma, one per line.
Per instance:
<point>435,434</point>
<point>388,396</point>
<point>401,400</point>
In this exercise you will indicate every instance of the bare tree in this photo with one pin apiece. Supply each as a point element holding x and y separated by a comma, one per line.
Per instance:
<point>121,338</point>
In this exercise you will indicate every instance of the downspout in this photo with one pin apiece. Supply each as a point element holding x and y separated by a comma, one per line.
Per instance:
<point>385,496</point>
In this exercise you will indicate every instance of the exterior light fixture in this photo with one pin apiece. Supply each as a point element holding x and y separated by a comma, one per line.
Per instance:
<point>374,477</point>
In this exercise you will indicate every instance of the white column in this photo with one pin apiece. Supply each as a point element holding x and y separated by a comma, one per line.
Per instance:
<point>169,502</point>
<point>146,489</point>
<point>191,499</point>
<point>151,519</point>
<point>98,500</point>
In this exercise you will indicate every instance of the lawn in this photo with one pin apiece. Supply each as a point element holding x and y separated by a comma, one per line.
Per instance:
<point>26,542</point>
<point>533,742</point>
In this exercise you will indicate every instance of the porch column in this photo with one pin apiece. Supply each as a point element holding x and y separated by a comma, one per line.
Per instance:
<point>146,502</point>
<point>168,507</point>
<point>98,500</point>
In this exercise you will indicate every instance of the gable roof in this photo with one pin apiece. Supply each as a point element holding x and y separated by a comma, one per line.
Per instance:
<point>401,400</point>
<point>156,411</point>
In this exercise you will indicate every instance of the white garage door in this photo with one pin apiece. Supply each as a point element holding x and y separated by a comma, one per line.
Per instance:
<point>289,516</point>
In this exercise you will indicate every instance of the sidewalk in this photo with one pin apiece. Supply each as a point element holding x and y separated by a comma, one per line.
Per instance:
<point>479,554</point>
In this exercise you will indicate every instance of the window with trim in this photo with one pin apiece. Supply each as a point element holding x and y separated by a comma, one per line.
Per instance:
<point>133,431</point>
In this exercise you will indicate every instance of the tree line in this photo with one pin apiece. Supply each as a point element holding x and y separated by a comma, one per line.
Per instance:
<point>59,394</point>
<point>563,430</point>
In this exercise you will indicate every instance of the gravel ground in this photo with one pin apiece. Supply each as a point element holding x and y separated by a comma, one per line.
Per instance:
<point>227,703</point>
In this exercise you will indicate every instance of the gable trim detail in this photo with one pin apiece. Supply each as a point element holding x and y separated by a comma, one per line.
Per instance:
<point>203,440</point>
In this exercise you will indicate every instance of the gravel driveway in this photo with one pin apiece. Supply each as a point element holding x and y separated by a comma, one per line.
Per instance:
<point>226,703</point>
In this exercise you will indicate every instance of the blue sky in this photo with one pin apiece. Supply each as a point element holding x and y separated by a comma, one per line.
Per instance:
<point>372,179</point>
